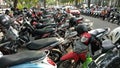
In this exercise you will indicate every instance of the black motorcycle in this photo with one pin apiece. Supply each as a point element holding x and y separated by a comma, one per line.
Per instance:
<point>111,16</point>
<point>110,59</point>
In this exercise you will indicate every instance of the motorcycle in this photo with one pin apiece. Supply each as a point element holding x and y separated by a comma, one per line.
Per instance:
<point>19,39</point>
<point>114,35</point>
<point>111,16</point>
<point>115,19</point>
<point>27,59</point>
<point>73,59</point>
<point>109,59</point>
<point>100,33</point>
<point>89,58</point>
<point>73,21</point>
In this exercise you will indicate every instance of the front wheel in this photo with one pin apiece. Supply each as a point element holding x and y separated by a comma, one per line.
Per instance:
<point>67,64</point>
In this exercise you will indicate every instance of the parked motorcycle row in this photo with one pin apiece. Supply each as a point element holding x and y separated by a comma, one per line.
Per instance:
<point>112,16</point>
<point>42,39</point>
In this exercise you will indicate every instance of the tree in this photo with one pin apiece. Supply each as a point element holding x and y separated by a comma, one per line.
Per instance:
<point>118,3</point>
<point>50,2</point>
<point>15,3</point>
<point>76,2</point>
<point>44,3</point>
<point>66,1</point>
<point>22,3</point>
<point>89,1</point>
<point>27,3</point>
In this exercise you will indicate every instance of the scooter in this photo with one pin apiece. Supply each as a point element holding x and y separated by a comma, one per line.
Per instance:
<point>27,59</point>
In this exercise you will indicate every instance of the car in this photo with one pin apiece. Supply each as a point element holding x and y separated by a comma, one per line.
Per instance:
<point>73,10</point>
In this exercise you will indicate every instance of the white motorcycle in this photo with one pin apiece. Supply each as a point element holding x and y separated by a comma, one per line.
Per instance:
<point>27,59</point>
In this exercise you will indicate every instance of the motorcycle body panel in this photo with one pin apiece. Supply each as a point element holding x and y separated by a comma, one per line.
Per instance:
<point>105,59</point>
<point>87,61</point>
<point>11,33</point>
<point>28,59</point>
<point>34,64</point>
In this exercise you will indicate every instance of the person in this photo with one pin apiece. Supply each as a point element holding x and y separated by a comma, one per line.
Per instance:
<point>68,10</point>
<point>103,14</point>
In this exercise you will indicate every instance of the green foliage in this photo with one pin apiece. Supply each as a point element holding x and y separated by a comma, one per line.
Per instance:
<point>50,2</point>
<point>27,3</point>
<point>66,1</point>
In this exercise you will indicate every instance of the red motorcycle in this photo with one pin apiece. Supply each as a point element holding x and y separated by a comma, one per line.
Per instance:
<point>73,59</point>
<point>80,47</point>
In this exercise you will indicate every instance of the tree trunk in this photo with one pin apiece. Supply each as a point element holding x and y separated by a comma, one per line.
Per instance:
<point>118,3</point>
<point>76,3</point>
<point>89,1</point>
<point>15,3</point>
<point>44,3</point>
<point>99,2</point>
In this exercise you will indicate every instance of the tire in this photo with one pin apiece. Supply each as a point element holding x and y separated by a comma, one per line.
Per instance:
<point>67,64</point>
<point>112,20</point>
<point>3,40</point>
<point>108,20</point>
<point>114,64</point>
<point>55,55</point>
<point>118,23</point>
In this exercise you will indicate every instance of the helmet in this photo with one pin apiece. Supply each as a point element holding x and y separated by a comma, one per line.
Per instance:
<point>81,28</point>
<point>72,21</point>
<point>7,12</point>
<point>114,35</point>
<point>5,21</point>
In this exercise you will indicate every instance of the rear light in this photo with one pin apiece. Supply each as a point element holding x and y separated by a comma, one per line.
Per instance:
<point>51,61</point>
<point>45,35</point>
<point>78,21</point>
<point>34,23</point>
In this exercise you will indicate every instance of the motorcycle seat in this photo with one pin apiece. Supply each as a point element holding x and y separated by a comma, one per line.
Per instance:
<point>107,45</point>
<point>41,43</point>
<point>43,20</point>
<point>19,58</point>
<point>98,32</point>
<point>43,31</point>
<point>80,18</point>
<point>39,26</point>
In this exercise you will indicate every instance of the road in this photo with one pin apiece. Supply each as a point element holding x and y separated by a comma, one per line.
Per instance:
<point>99,23</point>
